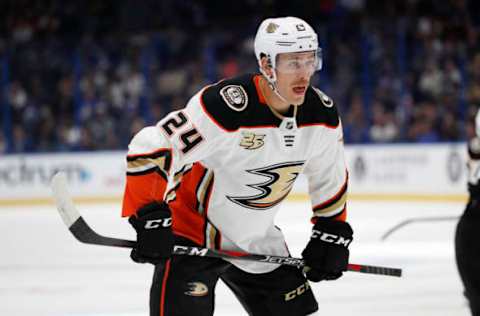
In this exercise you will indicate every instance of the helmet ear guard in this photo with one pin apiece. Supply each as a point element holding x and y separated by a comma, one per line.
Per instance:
<point>272,77</point>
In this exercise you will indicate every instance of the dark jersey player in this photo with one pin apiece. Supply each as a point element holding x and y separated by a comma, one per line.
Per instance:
<point>467,236</point>
<point>215,173</point>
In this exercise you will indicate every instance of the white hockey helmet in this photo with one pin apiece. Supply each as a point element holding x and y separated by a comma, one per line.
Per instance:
<point>285,35</point>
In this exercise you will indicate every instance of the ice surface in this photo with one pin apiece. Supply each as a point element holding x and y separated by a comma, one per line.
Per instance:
<point>45,271</point>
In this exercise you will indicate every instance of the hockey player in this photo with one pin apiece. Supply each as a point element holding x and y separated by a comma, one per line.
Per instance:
<point>214,174</point>
<point>467,234</point>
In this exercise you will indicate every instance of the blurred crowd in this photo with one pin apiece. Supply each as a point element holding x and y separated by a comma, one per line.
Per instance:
<point>87,75</point>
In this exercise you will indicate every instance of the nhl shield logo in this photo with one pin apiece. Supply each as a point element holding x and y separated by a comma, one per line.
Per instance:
<point>235,97</point>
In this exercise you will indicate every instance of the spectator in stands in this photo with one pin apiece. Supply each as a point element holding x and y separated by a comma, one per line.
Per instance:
<point>384,128</point>
<point>355,126</point>
<point>59,61</point>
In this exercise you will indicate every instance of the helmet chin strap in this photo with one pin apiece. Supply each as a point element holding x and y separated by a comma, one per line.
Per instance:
<point>272,83</point>
<point>274,88</point>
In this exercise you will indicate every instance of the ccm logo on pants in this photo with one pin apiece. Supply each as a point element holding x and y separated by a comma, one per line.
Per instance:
<point>297,292</point>
<point>156,223</point>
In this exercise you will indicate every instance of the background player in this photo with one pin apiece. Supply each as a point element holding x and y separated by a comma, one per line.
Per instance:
<point>468,233</point>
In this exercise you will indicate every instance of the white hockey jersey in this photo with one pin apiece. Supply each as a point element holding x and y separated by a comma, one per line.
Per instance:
<point>226,161</point>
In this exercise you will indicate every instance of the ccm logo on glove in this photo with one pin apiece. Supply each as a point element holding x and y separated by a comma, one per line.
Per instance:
<point>155,240</point>
<point>156,223</point>
<point>331,238</point>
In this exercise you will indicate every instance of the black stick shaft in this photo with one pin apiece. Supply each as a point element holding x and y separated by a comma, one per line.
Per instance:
<point>85,234</point>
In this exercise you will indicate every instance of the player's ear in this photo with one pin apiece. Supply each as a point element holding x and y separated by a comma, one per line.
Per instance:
<point>266,66</point>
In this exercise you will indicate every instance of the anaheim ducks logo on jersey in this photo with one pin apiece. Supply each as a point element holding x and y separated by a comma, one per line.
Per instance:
<point>275,189</point>
<point>251,140</point>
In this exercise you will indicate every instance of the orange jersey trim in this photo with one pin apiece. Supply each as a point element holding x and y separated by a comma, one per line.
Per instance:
<point>146,186</point>
<point>187,219</point>
<point>318,124</point>
<point>342,216</point>
<point>141,190</point>
<point>261,97</point>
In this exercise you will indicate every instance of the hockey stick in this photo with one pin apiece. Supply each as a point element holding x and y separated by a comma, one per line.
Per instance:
<point>82,232</point>
<point>416,220</point>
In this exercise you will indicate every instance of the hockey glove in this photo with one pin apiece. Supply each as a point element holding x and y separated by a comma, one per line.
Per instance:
<point>326,254</point>
<point>153,224</point>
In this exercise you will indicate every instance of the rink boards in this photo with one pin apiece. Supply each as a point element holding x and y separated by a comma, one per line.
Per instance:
<point>434,172</point>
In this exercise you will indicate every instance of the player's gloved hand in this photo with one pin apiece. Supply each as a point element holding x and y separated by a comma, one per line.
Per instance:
<point>153,223</point>
<point>326,254</point>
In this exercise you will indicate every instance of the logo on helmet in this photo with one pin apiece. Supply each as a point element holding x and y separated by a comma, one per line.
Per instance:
<point>272,27</point>
<point>300,27</point>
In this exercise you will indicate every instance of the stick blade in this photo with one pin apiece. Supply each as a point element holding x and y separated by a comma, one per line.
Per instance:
<point>63,201</point>
<point>74,221</point>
